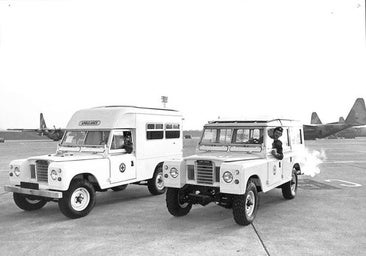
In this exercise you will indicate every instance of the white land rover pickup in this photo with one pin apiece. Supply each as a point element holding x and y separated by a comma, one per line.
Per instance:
<point>233,163</point>
<point>102,148</point>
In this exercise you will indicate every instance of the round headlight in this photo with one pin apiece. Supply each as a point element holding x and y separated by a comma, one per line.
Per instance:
<point>228,177</point>
<point>54,174</point>
<point>16,171</point>
<point>174,172</point>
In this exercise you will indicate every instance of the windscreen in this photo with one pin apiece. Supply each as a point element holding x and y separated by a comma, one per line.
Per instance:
<point>85,138</point>
<point>232,136</point>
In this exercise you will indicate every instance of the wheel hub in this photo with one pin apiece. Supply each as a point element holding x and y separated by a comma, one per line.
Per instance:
<point>249,203</point>
<point>160,181</point>
<point>80,199</point>
<point>293,183</point>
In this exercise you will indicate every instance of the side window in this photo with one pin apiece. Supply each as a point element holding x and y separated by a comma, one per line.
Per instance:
<point>285,137</point>
<point>172,131</point>
<point>154,131</point>
<point>117,142</point>
<point>297,137</point>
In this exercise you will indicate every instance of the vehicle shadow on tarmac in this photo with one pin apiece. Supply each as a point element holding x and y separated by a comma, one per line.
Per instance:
<point>271,198</point>
<point>111,197</point>
<point>126,201</point>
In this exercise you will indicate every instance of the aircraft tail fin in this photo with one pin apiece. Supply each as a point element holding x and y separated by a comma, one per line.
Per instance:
<point>315,118</point>
<point>42,122</point>
<point>357,115</point>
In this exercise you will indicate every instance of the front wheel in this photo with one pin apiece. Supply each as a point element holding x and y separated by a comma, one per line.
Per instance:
<point>28,203</point>
<point>78,200</point>
<point>156,184</point>
<point>176,204</point>
<point>245,206</point>
<point>289,189</point>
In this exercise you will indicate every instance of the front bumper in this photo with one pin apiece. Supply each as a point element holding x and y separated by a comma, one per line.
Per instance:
<point>33,192</point>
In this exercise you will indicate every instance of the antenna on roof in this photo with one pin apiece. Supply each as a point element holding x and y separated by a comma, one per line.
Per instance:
<point>164,100</point>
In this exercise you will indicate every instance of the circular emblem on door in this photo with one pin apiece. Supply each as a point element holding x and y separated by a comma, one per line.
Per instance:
<point>274,170</point>
<point>122,167</point>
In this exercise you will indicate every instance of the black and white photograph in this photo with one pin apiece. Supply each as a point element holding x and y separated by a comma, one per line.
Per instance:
<point>182,127</point>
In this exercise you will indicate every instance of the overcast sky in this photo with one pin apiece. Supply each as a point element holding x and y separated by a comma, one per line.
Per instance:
<point>233,59</point>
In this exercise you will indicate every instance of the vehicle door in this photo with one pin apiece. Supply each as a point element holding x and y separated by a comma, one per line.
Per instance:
<point>122,164</point>
<point>274,165</point>
<point>274,171</point>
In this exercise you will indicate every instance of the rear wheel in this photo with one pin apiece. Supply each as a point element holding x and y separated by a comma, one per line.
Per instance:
<point>245,206</point>
<point>156,184</point>
<point>78,200</point>
<point>175,202</point>
<point>289,189</point>
<point>28,203</point>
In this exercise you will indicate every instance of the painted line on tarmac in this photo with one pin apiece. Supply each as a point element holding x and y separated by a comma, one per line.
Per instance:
<point>345,183</point>
<point>347,163</point>
<point>344,162</point>
<point>260,239</point>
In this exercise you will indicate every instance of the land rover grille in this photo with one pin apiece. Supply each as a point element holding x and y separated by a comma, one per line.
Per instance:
<point>42,170</point>
<point>207,173</point>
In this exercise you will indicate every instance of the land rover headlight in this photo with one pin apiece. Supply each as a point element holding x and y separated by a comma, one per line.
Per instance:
<point>17,171</point>
<point>174,172</point>
<point>228,177</point>
<point>54,174</point>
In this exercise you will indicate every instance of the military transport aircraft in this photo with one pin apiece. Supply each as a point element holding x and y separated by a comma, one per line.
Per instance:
<point>356,117</point>
<point>53,134</point>
<point>352,132</point>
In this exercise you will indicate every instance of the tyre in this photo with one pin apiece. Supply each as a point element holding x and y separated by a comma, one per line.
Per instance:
<point>245,206</point>
<point>28,203</point>
<point>156,184</point>
<point>175,204</point>
<point>226,202</point>
<point>289,189</point>
<point>78,200</point>
<point>227,205</point>
<point>119,188</point>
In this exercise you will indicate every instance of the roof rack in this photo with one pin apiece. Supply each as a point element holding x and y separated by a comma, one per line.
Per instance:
<point>129,106</point>
<point>248,121</point>
<point>237,121</point>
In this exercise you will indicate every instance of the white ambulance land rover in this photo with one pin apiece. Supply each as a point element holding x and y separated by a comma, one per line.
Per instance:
<point>102,148</point>
<point>234,163</point>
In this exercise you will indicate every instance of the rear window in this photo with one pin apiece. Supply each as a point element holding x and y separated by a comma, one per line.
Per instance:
<point>154,131</point>
<point>172,131</point>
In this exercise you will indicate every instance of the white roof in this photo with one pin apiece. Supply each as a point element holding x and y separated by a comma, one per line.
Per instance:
<point>109,117</point>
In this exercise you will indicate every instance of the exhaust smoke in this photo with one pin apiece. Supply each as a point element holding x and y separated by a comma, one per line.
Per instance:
<point>311,160</point>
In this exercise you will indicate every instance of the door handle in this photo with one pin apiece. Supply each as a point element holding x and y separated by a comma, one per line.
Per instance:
<point>132,164</point>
